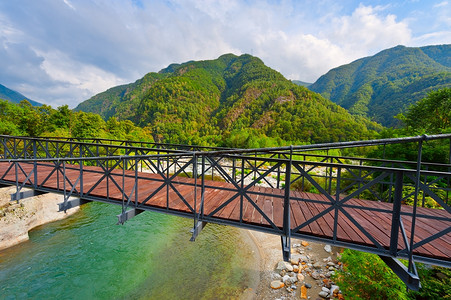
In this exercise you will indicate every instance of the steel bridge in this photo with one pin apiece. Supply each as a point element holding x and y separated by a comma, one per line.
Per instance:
<point>395,209</point>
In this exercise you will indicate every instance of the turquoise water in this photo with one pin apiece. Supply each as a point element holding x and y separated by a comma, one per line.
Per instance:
<point>86,256</point>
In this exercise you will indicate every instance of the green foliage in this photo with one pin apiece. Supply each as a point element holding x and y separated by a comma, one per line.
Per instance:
<point>383,85</point>
<point>366,276</point>
<point>435,283</point>
<point>231,101</point>
<point>430,115</point>
<point>25,119</point>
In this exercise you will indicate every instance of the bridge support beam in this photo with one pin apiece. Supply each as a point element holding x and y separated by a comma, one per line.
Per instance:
<point>412,281</point>
<point>71,203</point>
<point>286,247</point>
<point>25,194</point>
<point>127,215</point>
<point>197,229</point>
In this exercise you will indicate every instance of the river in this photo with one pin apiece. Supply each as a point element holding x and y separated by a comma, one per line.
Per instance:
<point>87,256</point>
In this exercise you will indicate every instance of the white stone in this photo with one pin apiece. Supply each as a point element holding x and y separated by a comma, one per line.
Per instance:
<point>333,288</point>
<point>323,294</point>
<point>328,248</point>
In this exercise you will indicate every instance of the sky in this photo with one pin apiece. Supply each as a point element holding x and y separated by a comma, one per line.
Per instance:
<point>65,51</point>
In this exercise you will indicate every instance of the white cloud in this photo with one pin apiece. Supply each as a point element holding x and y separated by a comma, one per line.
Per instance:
<point>65,51</point>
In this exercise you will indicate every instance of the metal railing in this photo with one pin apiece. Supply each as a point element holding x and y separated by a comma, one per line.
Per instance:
<point>288,191</point>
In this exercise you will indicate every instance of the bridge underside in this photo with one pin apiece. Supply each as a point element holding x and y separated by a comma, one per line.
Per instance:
<point>224,205</point>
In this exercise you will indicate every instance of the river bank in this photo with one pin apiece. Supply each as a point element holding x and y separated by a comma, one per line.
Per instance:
<point>310,270</point>
<point>18,218</point>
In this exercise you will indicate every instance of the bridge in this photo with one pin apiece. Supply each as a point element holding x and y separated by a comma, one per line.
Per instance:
<point>395,209</point>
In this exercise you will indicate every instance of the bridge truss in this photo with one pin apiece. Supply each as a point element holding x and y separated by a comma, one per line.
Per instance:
<point>298,191</point>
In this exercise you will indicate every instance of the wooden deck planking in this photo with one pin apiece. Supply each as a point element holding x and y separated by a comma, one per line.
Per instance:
<point>378,224</point>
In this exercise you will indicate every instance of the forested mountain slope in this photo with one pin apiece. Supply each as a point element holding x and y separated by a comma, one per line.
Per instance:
<point>383,85</point>
<point>232,100</point>
<point>14,97</point>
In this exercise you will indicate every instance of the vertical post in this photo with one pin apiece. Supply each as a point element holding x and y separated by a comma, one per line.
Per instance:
<point>396,217</point>
<point>35,165</point>
<point>233,169</point>
<point>241,187</point>
<point>195,188</point>
<point>81,172</point>
<point>278,172</point>
<point>167,182</point>
<point>414,213</point>
<point>337,200</point>
<point>286,237</point>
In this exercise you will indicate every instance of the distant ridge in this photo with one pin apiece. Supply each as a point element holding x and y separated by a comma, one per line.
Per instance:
<point>232,100</point>
<point>301,83</point>
<point>384,85</point>
<point>15,97</point>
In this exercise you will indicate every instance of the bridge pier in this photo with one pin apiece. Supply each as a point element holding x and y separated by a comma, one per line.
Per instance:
<point>197,229</point>
<point>25,194</point>
<point>286,247</point>
<point>127,215</point>
<point>71,203</point>
<point>412,281</point>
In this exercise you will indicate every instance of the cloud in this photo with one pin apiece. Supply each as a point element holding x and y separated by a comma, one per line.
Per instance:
<point>66,51</point>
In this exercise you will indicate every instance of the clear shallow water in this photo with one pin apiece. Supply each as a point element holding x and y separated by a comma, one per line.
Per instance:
<point>86,256</point>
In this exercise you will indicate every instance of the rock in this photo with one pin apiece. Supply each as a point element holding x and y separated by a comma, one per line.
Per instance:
<point>303,292</point>
<point>334,289</point>
<point>308,285</point>
<point>328,248</point>
<point>325,289</point>
<point>295,268</point>
<point>315,275</point>
<point>303,258</point>
<point>276,276</point>
<point>277,284</point>
<point>331,264</point>
<point>286,280</point>
<point>300,277</point>
<point>327,283</point>
<point>304,243</point>
<point>317,265</point>
<point>294,287</point>
<point>284,266</point>
<point>323,294</point>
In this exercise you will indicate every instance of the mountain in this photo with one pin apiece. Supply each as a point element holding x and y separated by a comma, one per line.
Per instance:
<point>232,100</point>
<point>383,85</point>
<point>301,83</point>
<point>13,96</point>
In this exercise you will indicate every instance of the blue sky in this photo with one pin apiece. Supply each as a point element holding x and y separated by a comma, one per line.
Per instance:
<point>65,51</point>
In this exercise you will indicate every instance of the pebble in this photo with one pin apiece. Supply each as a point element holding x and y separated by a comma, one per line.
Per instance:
<point>323,294</point>
<point>315,275</point>
<point>277,284</point>
<point>333,288</point>
<point>304,243</point>
<point>325,289</point>
<point>308,285</point>
<point>328,248</point>
<point>301,277</point>
<point>317,265</point>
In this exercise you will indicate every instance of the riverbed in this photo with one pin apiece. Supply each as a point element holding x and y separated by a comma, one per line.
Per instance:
<point>87,256</point>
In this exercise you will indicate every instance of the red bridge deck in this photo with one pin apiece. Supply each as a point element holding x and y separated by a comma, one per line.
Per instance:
<point>376,223</point>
